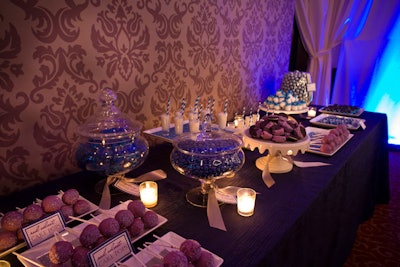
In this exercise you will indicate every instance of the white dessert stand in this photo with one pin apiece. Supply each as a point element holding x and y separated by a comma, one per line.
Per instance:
<point>288,112</point>
<point>278,153</point>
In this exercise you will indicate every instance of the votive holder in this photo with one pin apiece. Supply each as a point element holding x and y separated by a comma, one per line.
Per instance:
<point>148,191</point>
<point>246,200</point>
<point>312,112</point>
<point>239,122</point>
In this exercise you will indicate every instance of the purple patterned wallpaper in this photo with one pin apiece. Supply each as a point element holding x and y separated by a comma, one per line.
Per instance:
<point>55,56</point>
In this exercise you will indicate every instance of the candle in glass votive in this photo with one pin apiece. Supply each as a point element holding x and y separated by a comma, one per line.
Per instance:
<point>247,121</point>
<point>311,112</point>
<point>239,122</point>
<point>148,193</point>
<point>246,199</point>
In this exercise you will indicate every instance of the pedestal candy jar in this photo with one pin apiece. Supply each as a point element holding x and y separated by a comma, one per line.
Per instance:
<point>110,142</point>
<point>206,156</point>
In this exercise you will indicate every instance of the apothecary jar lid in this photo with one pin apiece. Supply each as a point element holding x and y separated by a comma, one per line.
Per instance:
<point>109,123</point>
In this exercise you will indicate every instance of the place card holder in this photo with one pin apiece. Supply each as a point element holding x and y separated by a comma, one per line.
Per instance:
<point>115,249</point>
<point>43,229</point>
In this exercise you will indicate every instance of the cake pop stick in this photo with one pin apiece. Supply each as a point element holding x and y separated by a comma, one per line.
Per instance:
<point>82,220</point>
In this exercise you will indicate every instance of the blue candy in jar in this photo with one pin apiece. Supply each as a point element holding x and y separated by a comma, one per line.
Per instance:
<point>207,156</point>
<point>110,142</point>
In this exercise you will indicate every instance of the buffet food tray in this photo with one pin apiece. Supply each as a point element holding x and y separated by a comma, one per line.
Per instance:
<point>38,255</point>
<point>339,110</point>
<point>22,244</point>
<point>331,121</point>
<point>161,247</point>
<point>316,135</point>
<point>111,213</point>
<point>158,132</point>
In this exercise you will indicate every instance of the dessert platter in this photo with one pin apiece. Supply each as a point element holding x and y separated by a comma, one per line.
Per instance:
<point>112,213</point>
<point>159,133</point>
<point>294,96</point>
<point>91,233</point>
<point>300,110</point>
<point>332,121</point>
<point>172,244</point>
<point>343,110</point>
<point>282,136</point>
<point>327,142</point>
<point>69,202</point>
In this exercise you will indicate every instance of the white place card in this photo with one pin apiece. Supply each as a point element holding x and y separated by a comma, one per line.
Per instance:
<point>311,87</point>
<point>113,250</point>
<point>39,231</point>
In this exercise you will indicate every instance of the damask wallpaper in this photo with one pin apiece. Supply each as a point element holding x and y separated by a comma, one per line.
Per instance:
<point>55,56</point>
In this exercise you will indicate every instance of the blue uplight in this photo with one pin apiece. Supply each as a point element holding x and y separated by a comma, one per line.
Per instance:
<point>384,92</point>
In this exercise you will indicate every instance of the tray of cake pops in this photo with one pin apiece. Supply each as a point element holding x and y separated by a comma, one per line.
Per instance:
<point>172,249</point>
<point>327,142</point>
<point>71,246</point>
<point>68,203</point>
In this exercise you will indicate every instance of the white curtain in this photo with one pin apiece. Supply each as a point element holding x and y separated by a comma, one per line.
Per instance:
<point>322,26</point>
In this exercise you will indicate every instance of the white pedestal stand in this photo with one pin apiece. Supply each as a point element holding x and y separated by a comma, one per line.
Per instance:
<point>278,153</point>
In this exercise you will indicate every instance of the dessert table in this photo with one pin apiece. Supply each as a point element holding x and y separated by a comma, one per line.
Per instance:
<point>308,218</point>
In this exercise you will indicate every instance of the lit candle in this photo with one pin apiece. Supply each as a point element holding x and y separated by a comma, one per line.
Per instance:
<point>247,121</point>
<point>148,193</point>
<point>246,198</point>
<point>311,113</point>
<point>239,122</point>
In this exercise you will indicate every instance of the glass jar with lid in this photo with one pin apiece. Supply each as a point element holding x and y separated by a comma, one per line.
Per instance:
<point>110,142</point>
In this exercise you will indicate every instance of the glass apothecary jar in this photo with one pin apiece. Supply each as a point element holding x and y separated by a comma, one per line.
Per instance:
<point>110,142</point>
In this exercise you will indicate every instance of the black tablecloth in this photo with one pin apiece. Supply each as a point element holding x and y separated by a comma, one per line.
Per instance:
<point>308,218</point>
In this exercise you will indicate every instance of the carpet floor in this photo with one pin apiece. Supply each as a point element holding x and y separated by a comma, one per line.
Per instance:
<point>378,239</point>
